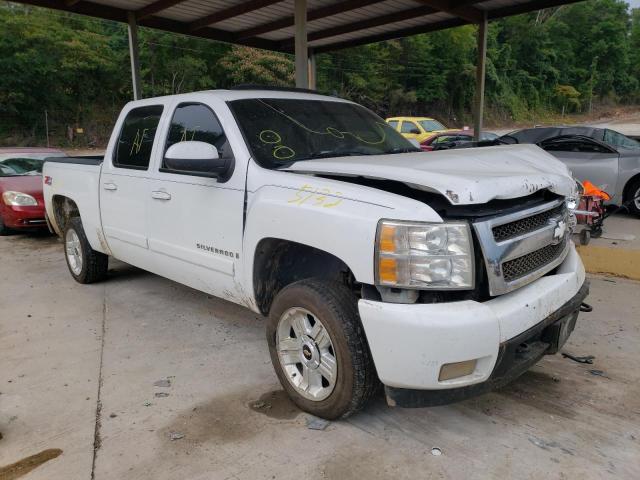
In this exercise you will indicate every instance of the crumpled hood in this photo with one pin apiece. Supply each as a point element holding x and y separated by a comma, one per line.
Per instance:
<point>465,176</point>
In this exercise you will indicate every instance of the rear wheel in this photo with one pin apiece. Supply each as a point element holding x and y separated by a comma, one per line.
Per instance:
<point>85,264</point>
<point>319,350</point>
<point>634,193</point>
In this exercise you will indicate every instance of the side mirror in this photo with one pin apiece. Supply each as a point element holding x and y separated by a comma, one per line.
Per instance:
<point>415,131</point>
<point>199,159</point>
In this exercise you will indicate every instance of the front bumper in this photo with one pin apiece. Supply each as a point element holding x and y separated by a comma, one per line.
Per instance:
<point>28,217</point>
<point>411,342</point>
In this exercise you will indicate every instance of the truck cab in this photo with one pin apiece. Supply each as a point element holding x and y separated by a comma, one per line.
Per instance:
<point>438,275</point>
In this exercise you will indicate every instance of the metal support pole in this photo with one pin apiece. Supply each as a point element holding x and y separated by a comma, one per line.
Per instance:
<point>134,55</point>
<point>301,50</point>
<point>46,126</point>
<point>480,77</point>
<point>313,81</point>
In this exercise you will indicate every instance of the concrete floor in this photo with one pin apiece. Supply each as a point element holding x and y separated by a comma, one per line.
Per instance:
<point>68,351</point>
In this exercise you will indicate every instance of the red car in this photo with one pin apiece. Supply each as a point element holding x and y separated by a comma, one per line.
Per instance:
<point>21,201</point>
<point>452,136</point>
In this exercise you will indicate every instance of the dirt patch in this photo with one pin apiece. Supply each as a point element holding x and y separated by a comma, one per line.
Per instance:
<point>24,466</point>
<point>229,418</point>
<point>276,404</point>
<point>538,390</point>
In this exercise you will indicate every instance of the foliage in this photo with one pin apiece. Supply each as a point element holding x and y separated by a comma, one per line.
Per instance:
<point>248,65</point>
<point>77,68</point>
<point>567,97</point>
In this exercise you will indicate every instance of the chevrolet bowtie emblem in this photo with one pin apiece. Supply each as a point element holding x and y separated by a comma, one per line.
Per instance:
<point>559,232</point>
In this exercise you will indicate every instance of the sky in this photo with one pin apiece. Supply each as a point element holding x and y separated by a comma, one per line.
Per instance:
<point>634,3</point>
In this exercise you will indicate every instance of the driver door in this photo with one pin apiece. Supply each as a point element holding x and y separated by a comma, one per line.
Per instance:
<point>195,222</point>
<point>588,160</point>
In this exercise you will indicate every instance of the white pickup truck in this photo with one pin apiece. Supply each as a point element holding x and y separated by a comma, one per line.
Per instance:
<point>439,275</point>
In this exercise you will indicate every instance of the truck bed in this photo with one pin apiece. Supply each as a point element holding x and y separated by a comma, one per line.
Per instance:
<point>78,180</point>
<point>80,160</point>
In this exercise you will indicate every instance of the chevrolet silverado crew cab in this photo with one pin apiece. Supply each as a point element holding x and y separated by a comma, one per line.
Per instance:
<point>438,275</point>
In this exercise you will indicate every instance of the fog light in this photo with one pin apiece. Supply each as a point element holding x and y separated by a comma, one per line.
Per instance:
<point>450,371</point>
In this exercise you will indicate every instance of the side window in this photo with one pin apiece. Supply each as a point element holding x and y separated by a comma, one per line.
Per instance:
<point>197,122</point>
<point>578,146</point>
<point>560,146</point>
<point>408,126</point>
<point>136,138</point>
<point>393,124</point>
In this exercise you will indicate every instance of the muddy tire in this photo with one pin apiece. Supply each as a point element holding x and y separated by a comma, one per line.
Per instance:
<point>633,192</point>
<point>85,264</point>
<point>319,350</point>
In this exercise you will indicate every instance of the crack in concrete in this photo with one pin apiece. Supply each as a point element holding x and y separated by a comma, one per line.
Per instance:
<point>97,441</point>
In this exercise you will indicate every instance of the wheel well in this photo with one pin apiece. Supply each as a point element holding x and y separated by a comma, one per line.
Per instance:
<point>627,188</point>
<point>278,263</point>
<point>63,210</point>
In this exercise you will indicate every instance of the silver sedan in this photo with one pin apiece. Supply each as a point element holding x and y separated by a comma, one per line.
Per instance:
<point>606,158</point>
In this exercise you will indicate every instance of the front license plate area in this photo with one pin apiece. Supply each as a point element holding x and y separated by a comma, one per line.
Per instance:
<point>558,333</point>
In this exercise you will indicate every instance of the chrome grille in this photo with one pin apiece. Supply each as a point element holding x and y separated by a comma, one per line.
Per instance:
<point>521,266</point>
<point>525,225</point>
<point>521,247</point>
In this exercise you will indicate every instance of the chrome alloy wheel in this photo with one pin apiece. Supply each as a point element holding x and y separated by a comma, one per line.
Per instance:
<point>74,251</point>
<point>306,354</point>
<point>636,196</point>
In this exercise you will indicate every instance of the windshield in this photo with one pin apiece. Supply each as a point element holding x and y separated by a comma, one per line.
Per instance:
<point>18,166</point>
<point>431,125</point>
<point>282,131</point>
<point>619,140</point>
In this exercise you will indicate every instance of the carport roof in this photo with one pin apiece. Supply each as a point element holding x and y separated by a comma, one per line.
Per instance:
<point>269,24</point>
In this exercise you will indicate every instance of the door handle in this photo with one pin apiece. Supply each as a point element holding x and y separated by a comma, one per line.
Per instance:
<point>159,195</point>
<point>109,186</point>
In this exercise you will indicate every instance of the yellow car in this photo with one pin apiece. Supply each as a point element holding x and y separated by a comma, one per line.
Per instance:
<point>419,128</point>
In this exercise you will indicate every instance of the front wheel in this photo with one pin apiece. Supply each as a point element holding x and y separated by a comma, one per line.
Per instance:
<point>319,350</point>
<point>85,264</point>
<point>634,198</point>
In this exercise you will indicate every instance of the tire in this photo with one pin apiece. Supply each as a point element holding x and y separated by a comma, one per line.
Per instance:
<point>634,190</point>
<point>332,308</point>
<point>85,264</point>
<point>585,237</point>
<point>3,229</point>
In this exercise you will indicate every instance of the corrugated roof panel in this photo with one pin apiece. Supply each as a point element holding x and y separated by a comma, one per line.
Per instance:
<point>258,17</point>
<point>391,27</point>
<point>191,10</point>
<point>194,9</point>
<point>361,14</point>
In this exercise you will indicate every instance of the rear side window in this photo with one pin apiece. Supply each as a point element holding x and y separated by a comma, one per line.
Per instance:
<point>197,122</point>
<point>393,123</point>
<point>573,146</point>
<point>136,138</point>
<point>407,127</point>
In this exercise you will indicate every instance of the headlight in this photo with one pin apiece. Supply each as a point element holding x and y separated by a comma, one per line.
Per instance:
<point>424,255</point>
<point>18,199</point>
<point>573,200</point>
